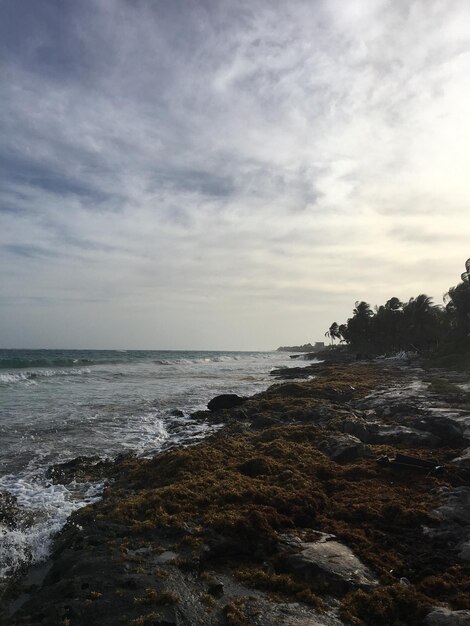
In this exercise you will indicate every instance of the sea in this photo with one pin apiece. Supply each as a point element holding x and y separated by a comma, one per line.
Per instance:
<point>56,405</point>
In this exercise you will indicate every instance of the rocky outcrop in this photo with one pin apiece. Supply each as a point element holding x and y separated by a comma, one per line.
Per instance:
<point>446,617</point>
<point>329,566</point>
<point>225,401</point>
<point>343,448</point>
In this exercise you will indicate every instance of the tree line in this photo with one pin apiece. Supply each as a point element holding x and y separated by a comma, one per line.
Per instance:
<point>417,325</point>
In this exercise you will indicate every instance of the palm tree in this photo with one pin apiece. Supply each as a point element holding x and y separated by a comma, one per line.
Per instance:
<point>333,332</point>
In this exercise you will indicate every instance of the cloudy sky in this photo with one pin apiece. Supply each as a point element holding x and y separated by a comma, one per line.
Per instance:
<point>227,175</point>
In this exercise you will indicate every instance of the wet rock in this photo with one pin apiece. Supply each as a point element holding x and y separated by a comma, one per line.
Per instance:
<point>464,551</point>
<point>330,565</point>
<point>176,413</point>
<point>225,401</point>
<point>81,469</point>
<point>402,435</point>
<point>448,430</point>
<point>398,408</point>
<point>463,460</point>
<point>391,434</point>
<point>343,448</point>
<point>457,506</point>
<point>10,512</point>
<point>446,617</point>
<point>215,587</point>
<point>260,612</point>
<point>359,428</point>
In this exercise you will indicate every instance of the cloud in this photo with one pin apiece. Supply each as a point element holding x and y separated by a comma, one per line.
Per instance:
<point>161,157</point>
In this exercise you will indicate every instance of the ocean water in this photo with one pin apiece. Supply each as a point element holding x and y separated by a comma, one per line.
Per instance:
<point>58,404</point>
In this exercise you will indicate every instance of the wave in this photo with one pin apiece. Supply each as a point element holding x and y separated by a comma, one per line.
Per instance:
<point>30,377</point>
<point>24,363</point>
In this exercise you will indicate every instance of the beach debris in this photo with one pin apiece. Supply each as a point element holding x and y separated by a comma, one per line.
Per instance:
<point>410,463</point>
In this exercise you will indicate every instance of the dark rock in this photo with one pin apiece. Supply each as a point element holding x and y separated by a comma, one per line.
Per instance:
<point>402,435</point>
<point>463,460</point>
<point>448,430</point>
<point>215,588</point>
<point>446,617</point>
<point>261,612</point>
<point>81,469</point>
<point>225,401</point>
<point>456,507</point>
<point>343,448</point>
<point>392,434</point>
<point>9,510</point>
<point>398,408</point>
<point>177,413</point>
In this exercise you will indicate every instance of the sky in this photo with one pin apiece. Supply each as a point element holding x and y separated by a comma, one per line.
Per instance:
<point>211,174</point>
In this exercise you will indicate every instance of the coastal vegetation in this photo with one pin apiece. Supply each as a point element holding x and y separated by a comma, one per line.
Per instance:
<point>417,325</point>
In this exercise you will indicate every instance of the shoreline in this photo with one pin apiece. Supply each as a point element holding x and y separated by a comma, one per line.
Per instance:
<point>232,530</point>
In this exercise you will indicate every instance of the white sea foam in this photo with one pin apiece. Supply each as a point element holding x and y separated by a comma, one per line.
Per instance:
<point>30,377</point>
<point>46,508</point>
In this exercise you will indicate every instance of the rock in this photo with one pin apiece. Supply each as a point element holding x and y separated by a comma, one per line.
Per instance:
<point>81,469</point>
<point>457,506</point>
<point>225,401</point>
<point>330,565</point>
<point>396,435</point>
<point>448,430</point>
<point>359,428</point>
<point>343,448</point>
<point>375,433</point>
<point>446,617</point>
<point>176,413</point>
<point>464,551</point>
<point>215,587</point>
<point>260,612</point>
<point>9,510</point>
<point>398,408</point>
<point>463,460</point>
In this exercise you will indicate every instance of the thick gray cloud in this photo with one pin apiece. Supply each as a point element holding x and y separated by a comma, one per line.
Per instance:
<point>227,175</point>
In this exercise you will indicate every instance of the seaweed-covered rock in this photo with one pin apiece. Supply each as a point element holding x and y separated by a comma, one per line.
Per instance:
<point>343,448</point>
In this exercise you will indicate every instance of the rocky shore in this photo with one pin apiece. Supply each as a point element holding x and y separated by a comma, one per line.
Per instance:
<point>340,498</point>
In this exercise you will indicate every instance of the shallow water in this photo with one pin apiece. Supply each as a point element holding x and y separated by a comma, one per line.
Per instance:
<point>56,405</point>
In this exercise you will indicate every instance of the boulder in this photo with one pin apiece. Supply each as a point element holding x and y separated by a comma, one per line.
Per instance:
<point>330,565</point>
<point>359,428</point>
<point>343,448</point>
<point>448,430</point>
<point>457,506</point>
<point>225,401</point>
<point>446,617</point>
<point>463,460</point>
<point>396,435</point>
<point>392,434</point>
